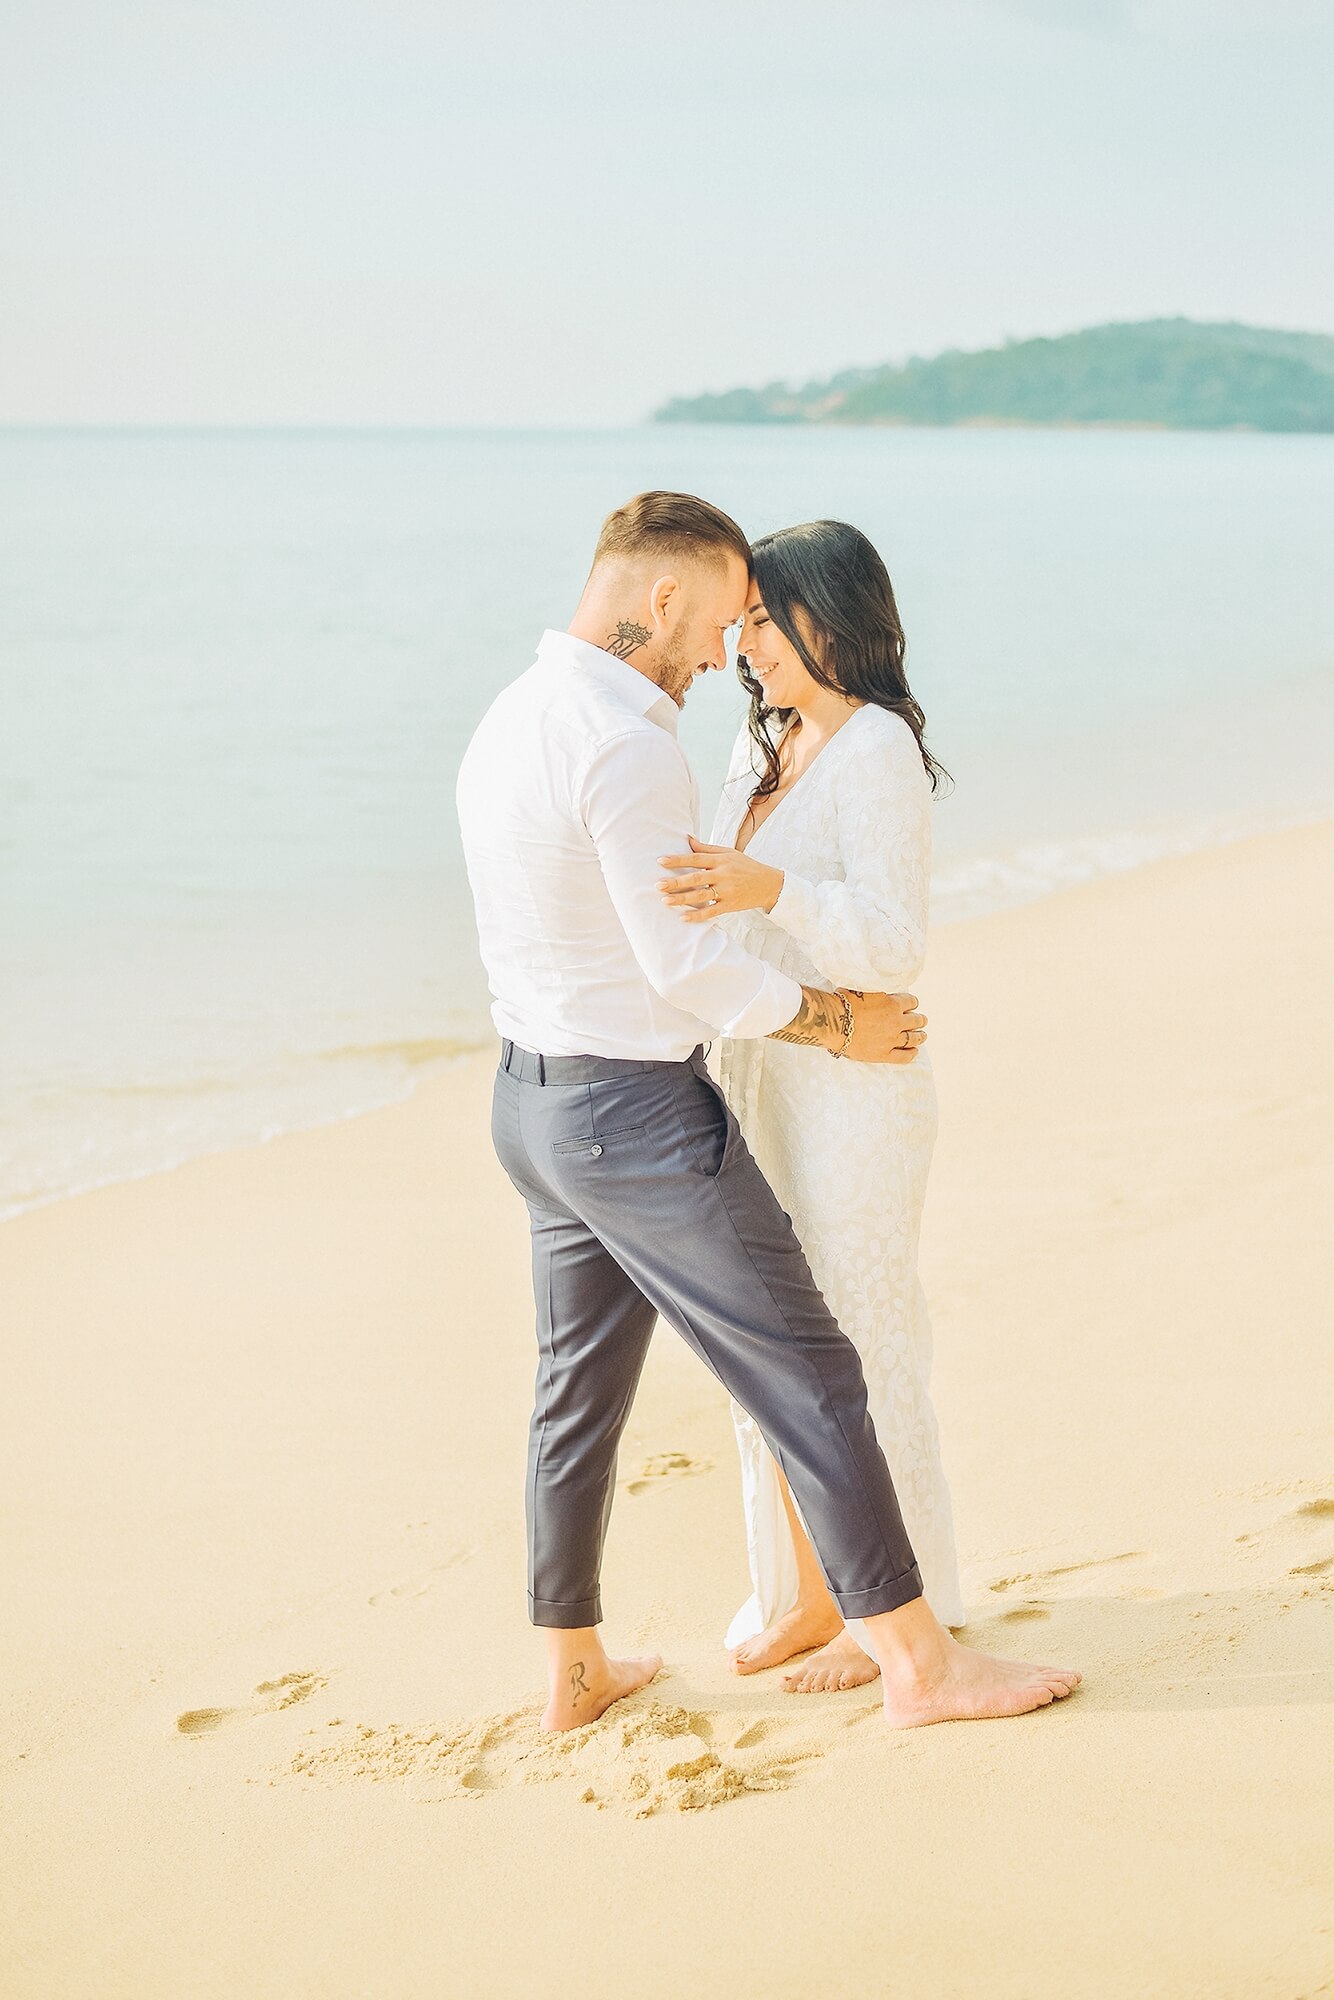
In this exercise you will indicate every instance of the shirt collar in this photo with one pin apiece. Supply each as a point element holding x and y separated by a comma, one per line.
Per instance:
<point>629,686</point>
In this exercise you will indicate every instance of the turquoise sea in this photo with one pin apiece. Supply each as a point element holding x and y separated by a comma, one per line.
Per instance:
<point>238,670</point>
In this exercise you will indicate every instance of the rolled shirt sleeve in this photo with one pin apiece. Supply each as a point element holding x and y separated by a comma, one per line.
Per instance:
<point>636,801</point>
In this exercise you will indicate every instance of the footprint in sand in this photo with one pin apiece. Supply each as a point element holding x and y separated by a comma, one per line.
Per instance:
<point>285,1692</point>
<point>760,1731</point>
<point>1302,1539</point>
<point>665,1466</point>
<point>644,1757</point>
<point>1079,1569</point>
<point>409,1587</point>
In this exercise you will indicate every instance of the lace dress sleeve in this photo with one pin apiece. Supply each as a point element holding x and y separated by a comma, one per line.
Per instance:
<point>869,930</point>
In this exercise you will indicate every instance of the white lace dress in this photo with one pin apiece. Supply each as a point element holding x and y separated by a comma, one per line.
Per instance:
<point>846,1147</point>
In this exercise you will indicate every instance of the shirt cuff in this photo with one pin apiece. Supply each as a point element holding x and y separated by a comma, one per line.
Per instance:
<point>777,1002</point>
<point>797,909</point>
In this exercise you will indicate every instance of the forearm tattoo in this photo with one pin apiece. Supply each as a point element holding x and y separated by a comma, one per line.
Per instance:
<point>627,638</point>
<point>818,1021</point>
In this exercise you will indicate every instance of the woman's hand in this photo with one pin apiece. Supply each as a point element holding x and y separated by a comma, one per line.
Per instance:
<point>712,881</point>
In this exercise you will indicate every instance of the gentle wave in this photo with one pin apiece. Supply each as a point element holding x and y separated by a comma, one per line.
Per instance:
<point>60,1143</point>
<point>430,1049</point>
<point>981,885</point>
<point>413,1053</point>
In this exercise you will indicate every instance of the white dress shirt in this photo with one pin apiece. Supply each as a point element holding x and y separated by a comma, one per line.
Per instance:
<point>571,791</point>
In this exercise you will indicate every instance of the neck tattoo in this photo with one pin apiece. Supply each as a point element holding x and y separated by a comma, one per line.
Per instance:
<point>626,639</point>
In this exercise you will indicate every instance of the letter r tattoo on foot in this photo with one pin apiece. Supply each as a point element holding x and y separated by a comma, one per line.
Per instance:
<point>578,1685</point>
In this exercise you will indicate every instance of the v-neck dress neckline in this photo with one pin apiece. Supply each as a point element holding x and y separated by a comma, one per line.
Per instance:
<point>797,782</point>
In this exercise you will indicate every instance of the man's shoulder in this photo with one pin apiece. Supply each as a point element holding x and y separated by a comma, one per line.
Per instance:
<point>600,711</point>
<point>588,719</point>
<point>526,715</point>
<point>565,695</point>
<point>571,727</point>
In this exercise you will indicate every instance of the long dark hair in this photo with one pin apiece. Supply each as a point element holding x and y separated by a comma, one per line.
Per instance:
<point>834,575</point>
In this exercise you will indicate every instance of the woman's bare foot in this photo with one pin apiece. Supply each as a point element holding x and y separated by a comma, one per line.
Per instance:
<point>840,1664</point>
<point>806,1625</point>
<point>586,1688</point>
<point>968,1686</point>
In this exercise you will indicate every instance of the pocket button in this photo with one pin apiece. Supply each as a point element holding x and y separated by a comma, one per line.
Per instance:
<point>596,1152</point>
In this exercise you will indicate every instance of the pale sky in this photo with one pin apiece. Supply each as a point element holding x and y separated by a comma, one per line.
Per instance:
<point>408,211</point>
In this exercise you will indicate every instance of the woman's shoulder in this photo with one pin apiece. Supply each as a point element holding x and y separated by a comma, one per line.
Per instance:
<point>884,772</point>
<point>885,739</point>
<point>882,725</point>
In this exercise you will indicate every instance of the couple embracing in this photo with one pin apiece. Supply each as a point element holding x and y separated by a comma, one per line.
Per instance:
<point>767,1209</point>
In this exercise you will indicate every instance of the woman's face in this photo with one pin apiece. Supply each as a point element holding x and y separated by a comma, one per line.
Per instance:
<point>773,659</point>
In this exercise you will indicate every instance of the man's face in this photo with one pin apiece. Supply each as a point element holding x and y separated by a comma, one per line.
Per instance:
<point>710,600</point>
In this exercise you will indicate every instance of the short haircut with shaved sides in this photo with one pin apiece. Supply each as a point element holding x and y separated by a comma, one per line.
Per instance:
<point>671,527</point>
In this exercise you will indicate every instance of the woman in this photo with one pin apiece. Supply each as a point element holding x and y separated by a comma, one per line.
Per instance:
<point>821,864</point>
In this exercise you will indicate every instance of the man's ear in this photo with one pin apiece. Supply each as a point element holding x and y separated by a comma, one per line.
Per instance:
<point>664,593</point>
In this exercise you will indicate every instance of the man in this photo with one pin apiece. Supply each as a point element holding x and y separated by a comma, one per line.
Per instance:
<point>642,1195</point>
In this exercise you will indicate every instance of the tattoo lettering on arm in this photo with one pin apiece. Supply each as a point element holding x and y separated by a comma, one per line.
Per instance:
<point>578,1685</point>
<point>818,1022</point>
<point>626,639</point>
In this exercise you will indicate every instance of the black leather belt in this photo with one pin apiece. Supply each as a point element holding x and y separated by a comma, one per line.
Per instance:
<point>528,1067</point>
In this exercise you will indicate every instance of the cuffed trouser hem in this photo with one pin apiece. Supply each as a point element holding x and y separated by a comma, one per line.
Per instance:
<point>568,1617</point>
<point>889,1597</point>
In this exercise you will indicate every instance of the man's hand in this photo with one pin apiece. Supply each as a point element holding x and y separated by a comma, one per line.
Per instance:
<point>886,1027</point>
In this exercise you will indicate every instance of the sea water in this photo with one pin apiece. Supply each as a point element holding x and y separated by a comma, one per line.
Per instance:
<point>238,671</point>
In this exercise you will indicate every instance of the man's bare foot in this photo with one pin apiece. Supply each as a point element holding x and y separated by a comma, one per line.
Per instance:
<point>840,1664</point>
<point>584,1690</point>
<point>963,1685</point>
<point>802,1627</point>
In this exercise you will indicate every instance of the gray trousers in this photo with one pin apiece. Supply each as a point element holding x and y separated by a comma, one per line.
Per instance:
<point>644,1199</point>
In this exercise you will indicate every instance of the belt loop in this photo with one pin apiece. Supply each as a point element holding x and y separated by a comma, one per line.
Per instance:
<point>506,1055</point>
<point>541,1069</point>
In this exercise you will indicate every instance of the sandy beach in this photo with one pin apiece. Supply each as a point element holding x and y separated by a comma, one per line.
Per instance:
<point>270,1691</point>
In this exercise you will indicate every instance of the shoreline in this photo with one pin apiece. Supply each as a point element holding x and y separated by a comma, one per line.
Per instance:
<point>1000,878</point>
